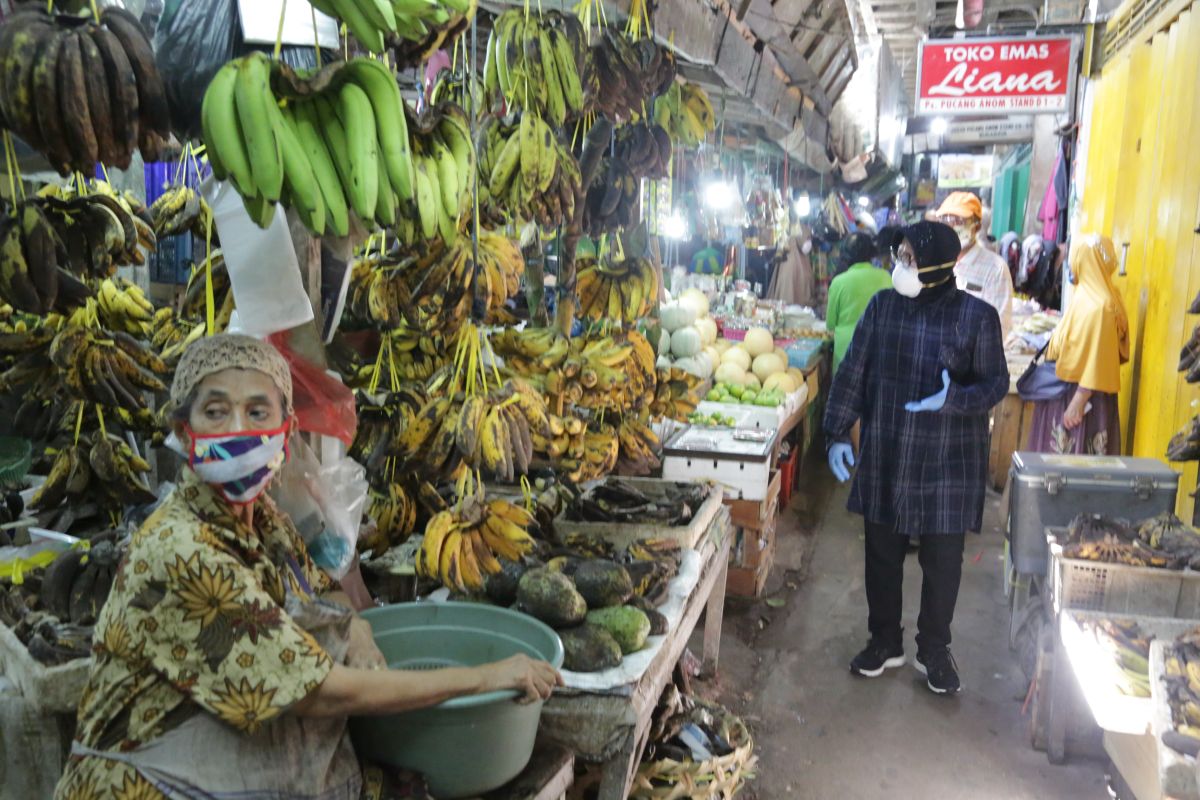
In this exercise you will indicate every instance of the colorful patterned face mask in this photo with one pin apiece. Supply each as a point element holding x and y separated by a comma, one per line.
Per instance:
<point>240,465</point>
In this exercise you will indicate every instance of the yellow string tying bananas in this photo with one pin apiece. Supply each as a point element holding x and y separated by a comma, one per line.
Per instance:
<point>78,423</point>
<point>279,32</point>
<point>14,169</point>
<point>316,39</point>
<point>100,420</point>
<point>210,302</point>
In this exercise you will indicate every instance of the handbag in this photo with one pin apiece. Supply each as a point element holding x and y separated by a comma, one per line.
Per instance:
<point>1039,381</point>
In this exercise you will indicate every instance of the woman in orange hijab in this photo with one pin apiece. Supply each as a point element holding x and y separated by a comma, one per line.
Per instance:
<point>1088,348</point>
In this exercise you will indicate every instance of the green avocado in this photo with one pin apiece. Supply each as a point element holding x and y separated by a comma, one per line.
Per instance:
<point>628,625</point>
<point>551,597</point>
<point>603,583</point>
<point>589,648</point>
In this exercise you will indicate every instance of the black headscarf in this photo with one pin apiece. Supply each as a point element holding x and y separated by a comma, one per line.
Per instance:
<point>936,247</point>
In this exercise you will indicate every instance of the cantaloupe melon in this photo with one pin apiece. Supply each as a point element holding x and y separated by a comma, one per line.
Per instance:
<point>737,355</point>
<point>768,364</point>
<point>781,381</point>
<point>730,372</point>
<point>758,341</point>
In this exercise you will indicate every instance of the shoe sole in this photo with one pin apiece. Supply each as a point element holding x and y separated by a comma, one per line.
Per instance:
<point>921,669</point>
<point>891,663</point>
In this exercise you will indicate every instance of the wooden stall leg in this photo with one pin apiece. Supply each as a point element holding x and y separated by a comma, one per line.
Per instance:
<point>616,777</point>
<point>714,617</point>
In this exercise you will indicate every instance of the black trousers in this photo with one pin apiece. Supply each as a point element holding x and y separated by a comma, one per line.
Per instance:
<point>940,556</point>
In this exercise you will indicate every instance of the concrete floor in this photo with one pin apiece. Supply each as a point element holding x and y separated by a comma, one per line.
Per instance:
<point>823,733</point>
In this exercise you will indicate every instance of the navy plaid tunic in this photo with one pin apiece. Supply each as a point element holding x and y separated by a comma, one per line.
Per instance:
<point>920,472</point>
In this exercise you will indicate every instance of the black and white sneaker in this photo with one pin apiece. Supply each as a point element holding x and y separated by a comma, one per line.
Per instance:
<point>877,657</point>
<point>940,671</point>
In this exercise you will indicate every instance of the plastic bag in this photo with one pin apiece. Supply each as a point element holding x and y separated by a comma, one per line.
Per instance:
<point>262,264</point>
<point>193,40</point>
<point>325,502</point>
<point>323,404</point>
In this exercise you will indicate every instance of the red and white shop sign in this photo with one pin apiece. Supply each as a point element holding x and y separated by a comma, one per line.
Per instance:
<point>1018,75</point>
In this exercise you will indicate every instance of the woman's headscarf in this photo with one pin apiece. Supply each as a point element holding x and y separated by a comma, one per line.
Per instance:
<point>936,248</point>
<point>1092,341</point>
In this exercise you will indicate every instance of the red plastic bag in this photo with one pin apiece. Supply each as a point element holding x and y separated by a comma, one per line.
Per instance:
<point>323,404</point>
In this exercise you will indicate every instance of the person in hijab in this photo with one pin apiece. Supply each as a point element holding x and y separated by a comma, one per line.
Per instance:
<point>979,270</point>
<point>851,290</point>
<point>225,663</point>
<point>792,281</point>
<point>1088,348</point>
<point>924,368</point>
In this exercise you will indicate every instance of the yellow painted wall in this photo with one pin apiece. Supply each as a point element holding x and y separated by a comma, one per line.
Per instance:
<point>1142,187</point>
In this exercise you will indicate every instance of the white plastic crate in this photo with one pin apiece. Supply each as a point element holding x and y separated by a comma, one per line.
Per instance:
<point>1120,588</point>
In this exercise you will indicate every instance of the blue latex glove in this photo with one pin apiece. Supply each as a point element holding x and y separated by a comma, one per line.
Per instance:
<point>935,401</point>
<point>841,459</point>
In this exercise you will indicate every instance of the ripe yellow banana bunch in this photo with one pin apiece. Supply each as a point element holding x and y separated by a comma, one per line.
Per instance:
<point>686,113</point>
<point>526,173</point>
<point>676,395</point>
<point>601,449</point>
<point>395,516</point>
<point>430,286</point>
<point>342,149</point>
<point>536,62</point>
<point>625,291</point>
<point>639,446</point>
<point>170,334</point>
<point>125,308</point>
<point>565,438</point>
<point>464,544</point>
<point>601,373</point>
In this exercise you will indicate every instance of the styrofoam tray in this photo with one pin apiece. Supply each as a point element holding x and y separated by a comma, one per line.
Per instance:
<point>1176,772</point>
<point>1097,673</point>
<point>752,416</point>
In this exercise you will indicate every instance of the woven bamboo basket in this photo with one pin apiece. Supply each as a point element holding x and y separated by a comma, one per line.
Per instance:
<point>721,777</point>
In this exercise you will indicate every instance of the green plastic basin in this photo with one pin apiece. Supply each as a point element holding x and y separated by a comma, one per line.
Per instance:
<point>468,745</point>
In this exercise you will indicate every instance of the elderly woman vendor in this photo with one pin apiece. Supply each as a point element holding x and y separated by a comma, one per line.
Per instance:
<point>224,664</point>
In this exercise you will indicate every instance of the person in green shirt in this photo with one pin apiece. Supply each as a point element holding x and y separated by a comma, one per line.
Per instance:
<point>707,261</point>
<point>850,292</point>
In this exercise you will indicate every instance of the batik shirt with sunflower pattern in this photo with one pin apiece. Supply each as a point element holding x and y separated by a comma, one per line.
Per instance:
<point>195,624</point>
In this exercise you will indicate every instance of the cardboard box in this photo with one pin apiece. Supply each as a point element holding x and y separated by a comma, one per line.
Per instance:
<point>750,581</point>
<point>756,543</point>
<point>754,513</point>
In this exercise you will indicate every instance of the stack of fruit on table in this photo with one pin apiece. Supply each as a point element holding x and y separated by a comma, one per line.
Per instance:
<point>602,602</point>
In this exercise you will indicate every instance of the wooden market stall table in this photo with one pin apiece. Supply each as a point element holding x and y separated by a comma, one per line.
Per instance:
<point>1011,422</point>
<point>611,727</point>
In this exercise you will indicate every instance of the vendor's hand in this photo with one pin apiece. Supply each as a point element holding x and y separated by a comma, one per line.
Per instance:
<point>362,652</point>
<point>841,459</point>
<point>1073,416</point>
<point>535,679</point>
<point>935,401</point>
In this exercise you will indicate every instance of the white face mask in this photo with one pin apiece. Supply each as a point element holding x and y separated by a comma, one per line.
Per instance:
<point>966,235</point>
<point>905,280</point>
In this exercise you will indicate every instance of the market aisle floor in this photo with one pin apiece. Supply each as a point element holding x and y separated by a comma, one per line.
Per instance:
<point>823,733</point>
